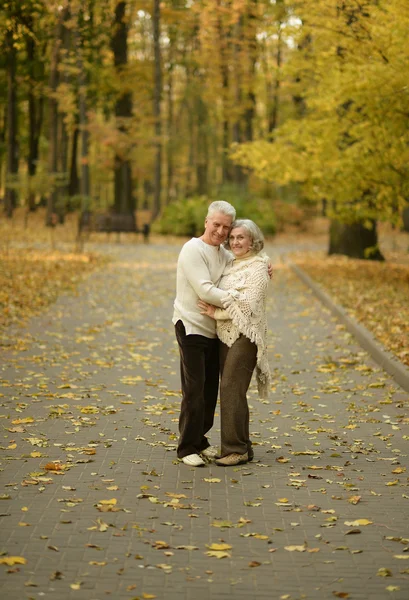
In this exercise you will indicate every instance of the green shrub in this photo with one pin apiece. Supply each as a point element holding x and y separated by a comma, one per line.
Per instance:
<point>183,217</point>
<point>186,217</point>
<point>261,211</point>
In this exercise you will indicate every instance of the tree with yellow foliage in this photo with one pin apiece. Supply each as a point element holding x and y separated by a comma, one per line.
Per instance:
<point>349,145</point>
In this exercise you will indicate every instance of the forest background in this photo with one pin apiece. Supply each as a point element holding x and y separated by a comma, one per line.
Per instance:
<point>146,111</point>
<point>275,105</point>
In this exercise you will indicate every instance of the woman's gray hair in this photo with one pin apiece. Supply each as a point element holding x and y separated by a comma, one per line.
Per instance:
<point>222,207</point>
<point>254,231</point>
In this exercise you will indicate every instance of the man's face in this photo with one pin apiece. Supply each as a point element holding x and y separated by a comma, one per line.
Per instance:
<point>217,228</point>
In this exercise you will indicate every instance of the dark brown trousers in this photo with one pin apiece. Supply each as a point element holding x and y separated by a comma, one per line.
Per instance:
<point>236,368</point>
<point>199,373</point>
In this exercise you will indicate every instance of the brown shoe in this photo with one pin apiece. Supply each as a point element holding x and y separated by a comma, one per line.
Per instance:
<point>232,459</point>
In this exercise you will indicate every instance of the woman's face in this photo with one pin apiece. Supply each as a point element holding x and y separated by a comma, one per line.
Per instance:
<point>240,241</point>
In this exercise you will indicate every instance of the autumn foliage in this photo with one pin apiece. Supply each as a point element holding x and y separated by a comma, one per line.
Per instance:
<point>375,294</point>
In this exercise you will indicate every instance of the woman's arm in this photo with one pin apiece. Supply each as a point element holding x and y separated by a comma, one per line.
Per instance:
<point>250,300</point>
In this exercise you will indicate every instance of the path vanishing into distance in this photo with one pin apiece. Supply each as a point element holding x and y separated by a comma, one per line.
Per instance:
<point>95,505</point>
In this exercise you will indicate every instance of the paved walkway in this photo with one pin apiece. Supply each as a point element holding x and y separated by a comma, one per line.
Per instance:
<point>95,502</point>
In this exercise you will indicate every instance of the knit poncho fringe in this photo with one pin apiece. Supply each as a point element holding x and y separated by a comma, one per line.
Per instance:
<point>246,282</point>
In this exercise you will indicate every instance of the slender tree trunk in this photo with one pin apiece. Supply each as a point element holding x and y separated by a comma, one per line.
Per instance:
<point>239,175</point>
<point>405,219</point>
<point>3,128</point>
<point>124,202</point>
<point>74,183</point>
<point>157,108</point>
<point>35,119</point>
<point>224,67</point>
<point>67,40</point>
<point>170,130</point>
<point>12,125</point>
<point>51,217</point>
<point>83,121</point>
<point>274,99</point>
<point>202,147</point>
<point>253,56</point>
<point>191,156</point>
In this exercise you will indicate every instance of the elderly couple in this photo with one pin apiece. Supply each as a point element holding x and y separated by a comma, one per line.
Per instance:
<point>220,323</point>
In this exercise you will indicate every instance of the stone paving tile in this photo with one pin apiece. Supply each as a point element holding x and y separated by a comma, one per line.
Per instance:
<point>98,374</point>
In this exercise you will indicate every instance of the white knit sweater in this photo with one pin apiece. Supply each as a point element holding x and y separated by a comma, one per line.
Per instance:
<point>199,269</point>
<point>245,312</point>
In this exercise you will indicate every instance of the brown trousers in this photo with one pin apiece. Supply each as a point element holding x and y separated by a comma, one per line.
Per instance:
<point>199,373</point>
<point>236,368</point>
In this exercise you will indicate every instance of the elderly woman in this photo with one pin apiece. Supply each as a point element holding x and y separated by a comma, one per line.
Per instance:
<point>242,331</point>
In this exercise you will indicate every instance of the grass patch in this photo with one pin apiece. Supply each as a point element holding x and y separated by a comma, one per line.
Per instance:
<point>376,294</point>
<point>30,280</point>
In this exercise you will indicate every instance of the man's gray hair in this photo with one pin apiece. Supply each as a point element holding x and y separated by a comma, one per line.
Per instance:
<point>222,207</point>
<point>254,231</point>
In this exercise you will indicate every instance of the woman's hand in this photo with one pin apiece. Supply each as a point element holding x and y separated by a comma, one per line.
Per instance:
<point>206,309</point>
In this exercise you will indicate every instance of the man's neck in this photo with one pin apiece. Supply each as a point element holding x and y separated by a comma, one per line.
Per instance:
<point>202,237</point>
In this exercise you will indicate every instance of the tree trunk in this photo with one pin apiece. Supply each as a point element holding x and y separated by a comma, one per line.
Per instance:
<point>191,156</point>
<point>61,208</point>
<point>253,57</point>
<point>273,101</point>
<point>405,218</point>
<point>74,182</point>
<point>239,175</point>
<point>124,201</point>
<point>170,130</point>
<point>3,127</point>
<point>157,108</point>
<point>354,240</point>
<point>202,147</point>
<point>51,216</point>
<point>12,125</point>
<point>224,71</point>
<point>66,79</point>
<point>35,118</point>
<point>83,121</point>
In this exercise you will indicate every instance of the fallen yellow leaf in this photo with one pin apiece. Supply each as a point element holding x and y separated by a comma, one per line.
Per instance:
<point>358,522</point>
<point>383,572</point>
<point>12,560</point>
<point>76,586</point>
<point>219,546</point>
<point>218,554</point>
<point>23,421</point>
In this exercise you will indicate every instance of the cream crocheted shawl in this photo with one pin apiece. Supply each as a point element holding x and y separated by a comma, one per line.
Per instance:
<point>247,281</point>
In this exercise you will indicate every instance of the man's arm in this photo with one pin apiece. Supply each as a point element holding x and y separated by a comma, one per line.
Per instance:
<point>198,275</point>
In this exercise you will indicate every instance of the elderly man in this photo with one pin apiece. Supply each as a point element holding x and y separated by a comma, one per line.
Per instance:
<point>200,266</point>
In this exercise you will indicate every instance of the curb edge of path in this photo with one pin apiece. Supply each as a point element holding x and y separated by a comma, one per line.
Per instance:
<point>384,359</point>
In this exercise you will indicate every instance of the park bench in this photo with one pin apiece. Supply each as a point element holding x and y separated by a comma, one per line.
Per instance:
<point>107,222</point>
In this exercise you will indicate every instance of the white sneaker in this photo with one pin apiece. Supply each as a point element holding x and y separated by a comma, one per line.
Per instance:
<point>210,452</point>
<point>193,460</point>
